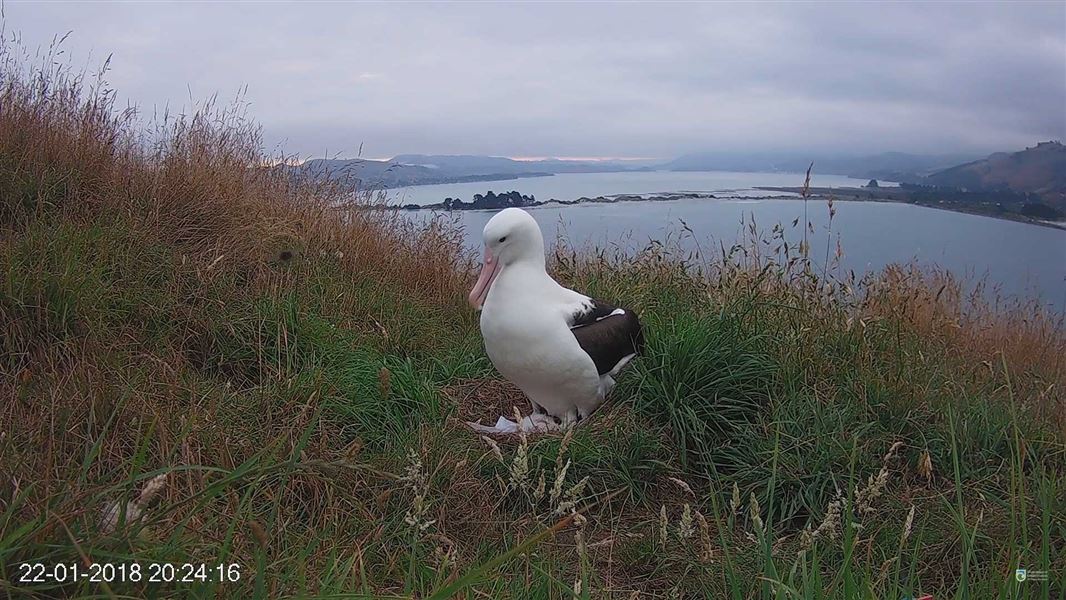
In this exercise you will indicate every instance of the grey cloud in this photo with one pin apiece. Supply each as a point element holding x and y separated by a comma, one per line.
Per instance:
<point>592,79</point>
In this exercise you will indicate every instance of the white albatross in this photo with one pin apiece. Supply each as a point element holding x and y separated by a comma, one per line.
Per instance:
<point>560,347</point>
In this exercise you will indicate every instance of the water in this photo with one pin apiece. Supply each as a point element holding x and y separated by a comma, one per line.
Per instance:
<point>1022,260</point>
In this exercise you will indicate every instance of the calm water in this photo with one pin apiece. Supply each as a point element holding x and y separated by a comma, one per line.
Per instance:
<point>1022,260</point>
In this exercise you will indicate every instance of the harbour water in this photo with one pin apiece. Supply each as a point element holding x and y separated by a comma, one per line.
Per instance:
<point>1016,260</point>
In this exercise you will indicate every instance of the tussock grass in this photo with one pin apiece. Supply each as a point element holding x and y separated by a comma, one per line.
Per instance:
<point>707,378</point>
<point>255,368</point>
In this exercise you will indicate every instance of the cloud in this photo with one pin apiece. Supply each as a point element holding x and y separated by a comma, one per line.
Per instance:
<point>593,79</point>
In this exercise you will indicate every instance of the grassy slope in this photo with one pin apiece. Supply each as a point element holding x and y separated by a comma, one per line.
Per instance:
<point>292,369</point>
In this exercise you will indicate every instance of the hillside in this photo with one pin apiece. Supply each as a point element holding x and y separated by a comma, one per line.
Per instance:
<point>480,165</point>
<point>420,169</point>
<point>386,174</point>
<point>203,363</point>
<point>888,166</point>
<point>1039,170</point>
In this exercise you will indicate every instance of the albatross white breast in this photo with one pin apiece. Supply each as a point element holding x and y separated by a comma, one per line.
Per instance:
<point>560,347</point>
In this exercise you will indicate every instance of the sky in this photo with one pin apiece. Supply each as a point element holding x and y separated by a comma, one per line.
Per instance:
<point>590,79</point>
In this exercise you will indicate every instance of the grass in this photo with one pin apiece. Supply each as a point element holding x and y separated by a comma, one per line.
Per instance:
<point>245,368</point>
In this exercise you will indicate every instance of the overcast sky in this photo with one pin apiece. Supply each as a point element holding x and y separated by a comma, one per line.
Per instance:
<point>559,79</point>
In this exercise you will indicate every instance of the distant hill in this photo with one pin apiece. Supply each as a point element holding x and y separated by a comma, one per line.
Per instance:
<point>424,169</point>
<point>888,166</point>
<point>482,165</point>
<point>383,174</point>
<point>467,164</point>
<point>1039,170</point>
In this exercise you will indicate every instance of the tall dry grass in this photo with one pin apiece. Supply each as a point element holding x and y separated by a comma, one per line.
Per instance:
<point>199,180</point>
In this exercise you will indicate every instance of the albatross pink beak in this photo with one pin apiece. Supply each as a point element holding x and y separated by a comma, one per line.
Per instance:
<point>490,268</point>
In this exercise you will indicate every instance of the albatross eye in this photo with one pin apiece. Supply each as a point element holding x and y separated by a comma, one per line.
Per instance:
<point>503,239</point>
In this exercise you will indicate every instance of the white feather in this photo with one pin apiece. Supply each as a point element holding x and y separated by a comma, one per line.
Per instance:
<point>526,328</point>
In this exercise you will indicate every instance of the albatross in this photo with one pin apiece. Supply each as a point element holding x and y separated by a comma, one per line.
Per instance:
<point>563,349</point>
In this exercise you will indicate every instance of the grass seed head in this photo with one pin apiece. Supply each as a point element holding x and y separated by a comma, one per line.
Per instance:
<point>135,509</point>
<point>564,446</point>
<point>573,496</point>
<point>557,486</point>
<point>706,551</point>
<point>925,467</point>
<point>494,447</point>
<point>875,485</point>
<point>755,514</point>
<point>664,524</point>
<point>830,525</point>
<point>384,382</point>
<point>416,480</point>
<point>685,527</point>
<point>538,493</point>
<point>153,487</point>
<point>519,472</point>
<point>908,524</point>
<point>681,484</point>
<point>112,515</point>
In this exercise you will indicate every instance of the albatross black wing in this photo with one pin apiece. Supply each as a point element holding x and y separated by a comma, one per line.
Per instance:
<point>607,333</point>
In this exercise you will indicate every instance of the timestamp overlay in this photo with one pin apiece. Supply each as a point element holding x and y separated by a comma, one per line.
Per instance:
<point>31,573</point>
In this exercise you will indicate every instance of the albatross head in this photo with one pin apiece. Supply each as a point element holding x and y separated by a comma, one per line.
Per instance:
<point>511,237</point>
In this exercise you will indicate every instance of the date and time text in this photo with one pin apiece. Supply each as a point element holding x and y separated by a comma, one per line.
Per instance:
<point>127,572</point>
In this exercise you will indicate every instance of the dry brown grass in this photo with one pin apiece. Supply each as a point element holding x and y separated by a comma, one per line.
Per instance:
<point>197,181</point>
<point>978,335</point>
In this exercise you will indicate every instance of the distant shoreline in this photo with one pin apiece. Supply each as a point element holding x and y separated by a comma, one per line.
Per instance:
<point>786,193</point>
<point>501,203</point>
<point>850,194</point>
<point>902,196</point>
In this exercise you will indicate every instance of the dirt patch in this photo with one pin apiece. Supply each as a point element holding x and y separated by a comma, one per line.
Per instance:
<point>485,400</point>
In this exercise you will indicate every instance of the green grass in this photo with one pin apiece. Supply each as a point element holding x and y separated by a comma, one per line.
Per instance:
<point>706,378</point>
<point>283,382</point>
<point>288,367</point>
